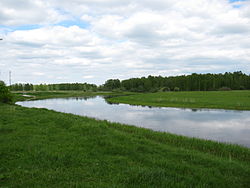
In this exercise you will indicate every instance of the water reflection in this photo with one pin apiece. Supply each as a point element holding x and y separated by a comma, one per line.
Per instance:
<point>221,125</point>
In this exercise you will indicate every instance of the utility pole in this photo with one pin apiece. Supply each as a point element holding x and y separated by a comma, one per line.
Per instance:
<point>10,77</point>
<point>0,71</point>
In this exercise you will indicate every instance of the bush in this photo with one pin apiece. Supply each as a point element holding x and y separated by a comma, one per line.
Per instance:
<point>225,89</point>
<point>153,90</point>
<point>5,95</point>
<point>242,88</point>
<point>164,89</point>
<point>176,89</point>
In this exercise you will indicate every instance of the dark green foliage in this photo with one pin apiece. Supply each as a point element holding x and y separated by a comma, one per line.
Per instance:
<point>43,148</point>
<point>242,88</point>
<point>165,89</point>
<point>55,87</point>
<point>225,89</point>
<point>22,87</point>
<point>176,89</point>
<point>73,87</point>
<point>193,82</point>
<point>5,95</point>
<point>111,84</point>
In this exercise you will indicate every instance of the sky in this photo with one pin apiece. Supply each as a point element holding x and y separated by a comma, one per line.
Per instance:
<point>62,41</point>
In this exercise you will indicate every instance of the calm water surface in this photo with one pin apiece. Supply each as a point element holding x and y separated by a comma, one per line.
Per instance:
<point>220,125</point>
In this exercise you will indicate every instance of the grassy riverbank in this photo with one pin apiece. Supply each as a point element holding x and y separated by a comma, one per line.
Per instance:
<point>43,148</point>
<point>238,100</point>
<point>35,95</point>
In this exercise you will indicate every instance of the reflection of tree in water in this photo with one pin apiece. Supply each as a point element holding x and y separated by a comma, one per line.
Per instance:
<point>86,97</point>
<point>81,98</point>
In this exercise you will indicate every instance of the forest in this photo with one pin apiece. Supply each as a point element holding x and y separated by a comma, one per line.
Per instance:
<point>54,87</point>
<point>194,82</point>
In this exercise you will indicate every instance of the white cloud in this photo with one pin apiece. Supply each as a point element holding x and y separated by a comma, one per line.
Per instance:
<point>24,12</point>
<point>88,76</point>
<point>122,38</point>
<point>38,73</point>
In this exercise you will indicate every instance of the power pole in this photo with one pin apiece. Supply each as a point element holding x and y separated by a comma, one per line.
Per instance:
<point>10,77</point>
<point>0,71</point>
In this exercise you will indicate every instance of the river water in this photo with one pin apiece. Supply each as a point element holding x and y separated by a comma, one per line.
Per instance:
<point>230,126</point>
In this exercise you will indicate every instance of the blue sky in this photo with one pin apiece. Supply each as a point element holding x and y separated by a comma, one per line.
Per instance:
<point>92,40</point>
<point>232,1</point>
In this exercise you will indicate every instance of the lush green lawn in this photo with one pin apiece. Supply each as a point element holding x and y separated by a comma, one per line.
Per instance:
<point>239,100</point>
<point>42,148</point>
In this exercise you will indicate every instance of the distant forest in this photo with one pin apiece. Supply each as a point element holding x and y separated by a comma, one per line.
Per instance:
<point>194,82</point>
<point>54,87</point>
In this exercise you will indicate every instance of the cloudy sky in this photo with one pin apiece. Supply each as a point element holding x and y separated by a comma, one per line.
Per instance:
<point>55,41</point>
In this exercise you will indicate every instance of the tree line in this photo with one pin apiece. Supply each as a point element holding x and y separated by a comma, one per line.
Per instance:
<point>194,82</point>
<point>54,87</point>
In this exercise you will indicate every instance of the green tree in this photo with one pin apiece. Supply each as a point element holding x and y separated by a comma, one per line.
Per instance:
<point>112,84</point>
<point>5,95</point>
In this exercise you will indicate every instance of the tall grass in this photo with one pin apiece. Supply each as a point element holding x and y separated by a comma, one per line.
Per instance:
<point>43,148</point>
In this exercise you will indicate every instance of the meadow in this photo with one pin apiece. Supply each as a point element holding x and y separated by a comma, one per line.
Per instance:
<point>234,100</point>
<point>43,148</point>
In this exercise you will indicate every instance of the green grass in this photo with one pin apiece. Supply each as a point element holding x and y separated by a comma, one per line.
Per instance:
<point>238,100</point>
<point>43,148</point>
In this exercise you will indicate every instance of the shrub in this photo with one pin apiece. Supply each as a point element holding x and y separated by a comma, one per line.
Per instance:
<point>153,90</point>
<point>164,89</point>
<point>5,95</point>
<point>225,89</point>
<point>242,88</point>
<point>176,89</point>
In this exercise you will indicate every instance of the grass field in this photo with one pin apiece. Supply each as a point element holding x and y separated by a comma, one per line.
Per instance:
<point>43,148</point>
<point>238,100</point>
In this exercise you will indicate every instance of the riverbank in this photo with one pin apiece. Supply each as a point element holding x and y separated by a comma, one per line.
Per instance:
<point>44,148</point>
<point>233,100</point>
<point>37,95</point>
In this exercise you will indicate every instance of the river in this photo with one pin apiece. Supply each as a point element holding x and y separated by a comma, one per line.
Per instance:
<point>230,126</point>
